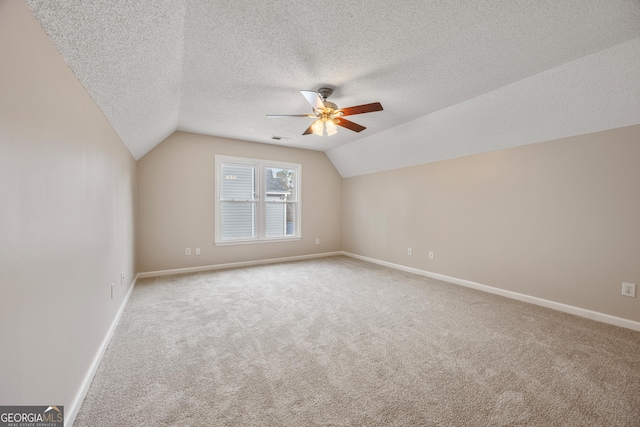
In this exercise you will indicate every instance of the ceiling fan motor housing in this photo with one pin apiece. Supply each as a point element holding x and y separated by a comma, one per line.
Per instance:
<point>330,105</point>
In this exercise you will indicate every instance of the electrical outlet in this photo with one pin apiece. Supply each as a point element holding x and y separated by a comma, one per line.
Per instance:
<point>317,241</point>
<point>197,251</point>
<point>409,251</point>
<point>629,289</point>
<point>430,254</point>
<point>187,251</point>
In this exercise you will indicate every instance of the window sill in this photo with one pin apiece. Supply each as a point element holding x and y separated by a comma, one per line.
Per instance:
<point>255,241</point>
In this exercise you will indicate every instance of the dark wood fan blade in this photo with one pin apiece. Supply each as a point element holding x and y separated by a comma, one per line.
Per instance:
<point>309,131</point>
<point>310,128</point>
<point>360,109</point>
<point>313,98</point>
<point>348,124</point>
<point>277,116</point>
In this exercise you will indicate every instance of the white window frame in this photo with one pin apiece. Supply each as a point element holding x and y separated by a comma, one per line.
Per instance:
<point>260,225</point>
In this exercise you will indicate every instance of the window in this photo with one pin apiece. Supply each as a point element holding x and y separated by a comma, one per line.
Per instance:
<point>256,200</point>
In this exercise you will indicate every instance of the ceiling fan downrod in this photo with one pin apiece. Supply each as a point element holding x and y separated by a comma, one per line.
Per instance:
<point>325,92</point>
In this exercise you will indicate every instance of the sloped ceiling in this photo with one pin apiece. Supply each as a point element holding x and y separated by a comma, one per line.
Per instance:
<point>454,77</point>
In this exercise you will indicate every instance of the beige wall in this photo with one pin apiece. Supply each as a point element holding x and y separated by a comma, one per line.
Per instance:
<point>176,203</point>
<point>557,220</point>
<point>67,191</point>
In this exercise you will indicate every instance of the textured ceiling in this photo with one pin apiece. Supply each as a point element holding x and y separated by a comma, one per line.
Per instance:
<point>218,67</point>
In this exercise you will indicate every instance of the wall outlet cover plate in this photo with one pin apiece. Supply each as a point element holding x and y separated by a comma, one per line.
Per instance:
<point>629,289</point>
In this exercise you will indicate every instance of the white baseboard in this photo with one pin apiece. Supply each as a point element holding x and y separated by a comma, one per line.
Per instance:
<point>233,265</point>
<point>70,415</point>
<point>582,312</point>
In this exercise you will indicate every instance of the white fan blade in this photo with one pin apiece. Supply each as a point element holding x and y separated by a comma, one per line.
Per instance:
<point>277,116</point>
<point>314,99</point>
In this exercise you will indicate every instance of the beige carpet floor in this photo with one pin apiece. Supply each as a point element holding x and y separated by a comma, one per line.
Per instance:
<point>341,342</point>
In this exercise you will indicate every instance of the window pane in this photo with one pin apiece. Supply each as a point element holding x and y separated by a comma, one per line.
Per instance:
<point>276,219</point>
<point>281,219</point>
<point>238,182</point>
<point>291,222</point>
<point>238,220</point>
<point>280,184</point>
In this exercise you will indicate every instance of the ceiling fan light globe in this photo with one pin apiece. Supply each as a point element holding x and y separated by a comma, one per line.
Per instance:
<point>317,127</point>
<point>331,128</point>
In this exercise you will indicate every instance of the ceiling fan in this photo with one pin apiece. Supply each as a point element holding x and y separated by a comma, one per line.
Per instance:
<point>328,115</point>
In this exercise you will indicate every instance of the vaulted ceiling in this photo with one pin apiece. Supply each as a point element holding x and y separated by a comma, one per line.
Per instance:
<point>454,77</point>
